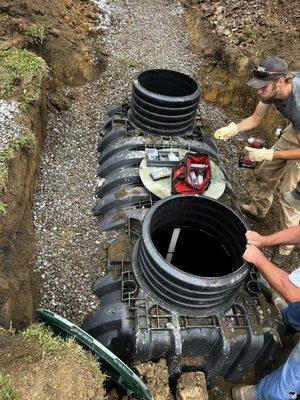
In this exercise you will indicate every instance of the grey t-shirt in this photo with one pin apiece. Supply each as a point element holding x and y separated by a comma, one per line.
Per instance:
<point>294,277</point>
<point>290,108</point>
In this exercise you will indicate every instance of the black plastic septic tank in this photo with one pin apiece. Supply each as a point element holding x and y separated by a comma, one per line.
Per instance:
<point>164,102</point>
<point>187,295</point>
<point>190,253</point>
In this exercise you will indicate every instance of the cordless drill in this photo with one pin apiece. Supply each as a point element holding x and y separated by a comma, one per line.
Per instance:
<point>256,143</point>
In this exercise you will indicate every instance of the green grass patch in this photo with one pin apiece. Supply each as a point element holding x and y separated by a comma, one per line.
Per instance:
<point>74,350</point>
<point>36,35</point>
<point>44,337</point>
<point>23,142</point>
<point>18,65</point>
<point>48,342</point>
<point>6,154</point>
<point>7,391</point>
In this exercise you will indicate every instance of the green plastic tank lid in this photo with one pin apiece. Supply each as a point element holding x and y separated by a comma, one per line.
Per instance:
<point>114,367</point>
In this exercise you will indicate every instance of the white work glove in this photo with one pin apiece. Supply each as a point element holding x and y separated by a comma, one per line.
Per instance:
<point>226,132</point>
<point>260,154</point>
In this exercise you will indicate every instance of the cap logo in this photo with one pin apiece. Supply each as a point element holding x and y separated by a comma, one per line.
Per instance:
<point>260,68</point>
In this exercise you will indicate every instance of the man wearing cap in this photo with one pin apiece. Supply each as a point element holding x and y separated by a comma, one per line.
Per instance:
<point>274,85</point>
<point>283,383</point>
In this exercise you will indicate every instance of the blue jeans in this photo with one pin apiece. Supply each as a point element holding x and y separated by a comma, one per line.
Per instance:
<point>284,383</point>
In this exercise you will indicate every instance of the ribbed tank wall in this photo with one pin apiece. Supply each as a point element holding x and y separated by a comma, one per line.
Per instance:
<point>206,270</point>
<point>164,102</point>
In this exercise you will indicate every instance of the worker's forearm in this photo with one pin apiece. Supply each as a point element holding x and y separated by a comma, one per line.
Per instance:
<point>278,279</point>
<point>287,236</point>
<point>293,154</point>
<point>248,123</point>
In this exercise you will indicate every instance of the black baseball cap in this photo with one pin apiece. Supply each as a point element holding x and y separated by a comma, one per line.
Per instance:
<point>270,69</point>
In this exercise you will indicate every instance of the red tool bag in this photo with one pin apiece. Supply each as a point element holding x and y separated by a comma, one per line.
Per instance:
<point>192,175</point>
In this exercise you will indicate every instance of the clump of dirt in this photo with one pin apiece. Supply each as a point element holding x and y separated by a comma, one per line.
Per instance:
<point>119,249</point>
<point>22,70</point>
<point>191,386</point>
<point>156,377</point>
<point>63,32</point>
<point>38,365</point>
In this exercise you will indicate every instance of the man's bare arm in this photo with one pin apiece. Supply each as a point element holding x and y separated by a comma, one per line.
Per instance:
<point>286,236</point>
<point>255,119</point>
<point>276,277</point>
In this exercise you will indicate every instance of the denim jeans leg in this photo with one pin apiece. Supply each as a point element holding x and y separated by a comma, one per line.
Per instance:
<point>284,383</point>
<point>291,315</point>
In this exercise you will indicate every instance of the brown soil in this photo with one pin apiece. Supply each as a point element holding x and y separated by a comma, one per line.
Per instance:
<point>19,286</point>
<point>156,377</point>
<point>120,249</point>
<point>69,46</point>
<point>191,386</point>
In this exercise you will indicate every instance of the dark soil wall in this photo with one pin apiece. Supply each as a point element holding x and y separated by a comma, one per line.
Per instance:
<point>19,288</point>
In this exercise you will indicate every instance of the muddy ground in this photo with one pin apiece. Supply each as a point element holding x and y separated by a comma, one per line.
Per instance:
<point>213,41</point>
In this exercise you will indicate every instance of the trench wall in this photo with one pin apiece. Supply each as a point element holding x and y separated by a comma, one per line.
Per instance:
<point>19,286</point>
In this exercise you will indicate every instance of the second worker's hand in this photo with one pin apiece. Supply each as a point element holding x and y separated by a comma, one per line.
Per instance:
<point>254,238</point>
<point>252,254</point>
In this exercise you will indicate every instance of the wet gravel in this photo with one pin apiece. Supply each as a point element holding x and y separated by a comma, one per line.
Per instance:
<point>71,254</point>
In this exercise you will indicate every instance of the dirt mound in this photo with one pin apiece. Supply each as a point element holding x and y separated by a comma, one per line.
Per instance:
<point>38,365</point>
<point>63,32</point>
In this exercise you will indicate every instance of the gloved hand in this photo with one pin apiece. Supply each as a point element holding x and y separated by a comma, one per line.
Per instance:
<point>260,154</point>
<point>226,132</point>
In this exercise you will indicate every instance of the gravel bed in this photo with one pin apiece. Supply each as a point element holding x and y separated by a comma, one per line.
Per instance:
<point>71,254</point>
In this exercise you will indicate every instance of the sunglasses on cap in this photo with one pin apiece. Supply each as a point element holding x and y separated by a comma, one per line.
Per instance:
<point>261,73</point>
